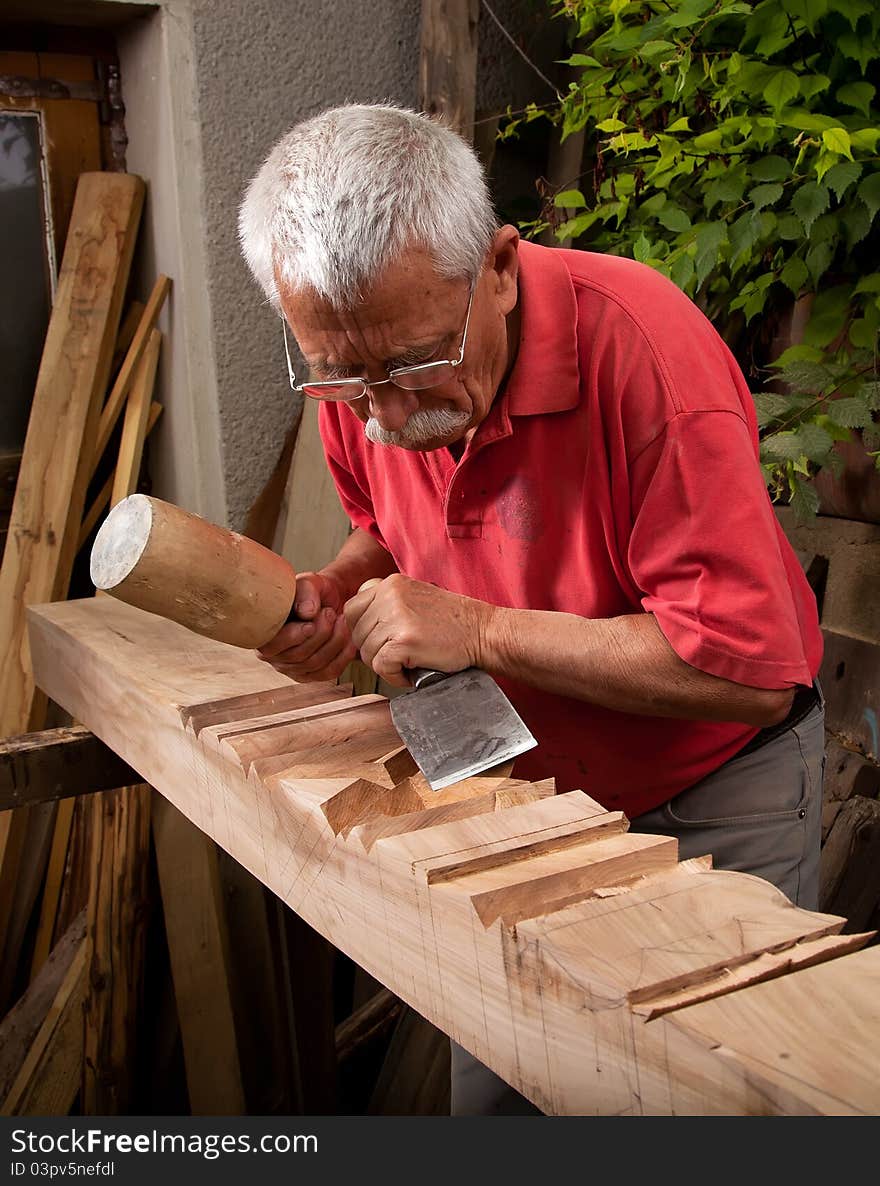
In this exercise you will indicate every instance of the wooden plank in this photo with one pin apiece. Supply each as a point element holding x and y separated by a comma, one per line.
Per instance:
<point>116,923</point>
<point>849,870</point>
<point>367,1024</point>
<point>54,474</point>
<point>119,392</point>
<point>49,1076</point>
<point>55,869</point>
<point>135,423</point>
<point>73,374</point>
<point>448,61</point>
<point>549,1003</point>
<point>102,499</point>
<point>57,764</point>
<point>267,518</point>
<point>199,948</point>
<point>22,1023</point>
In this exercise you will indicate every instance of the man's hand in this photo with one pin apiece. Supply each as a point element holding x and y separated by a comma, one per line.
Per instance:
<point>319,645</point>
<point>400,623</point>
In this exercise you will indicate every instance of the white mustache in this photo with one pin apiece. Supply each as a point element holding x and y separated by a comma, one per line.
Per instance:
<point>424,425</point>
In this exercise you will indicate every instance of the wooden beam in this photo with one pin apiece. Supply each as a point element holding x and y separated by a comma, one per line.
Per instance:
<point>55,466</point>
<point>22,1023</point>
<point>48,1079</point>
<point>371,1022</point>
<point>448,61</point>
<point>198,945</point>
<point>57,764</point>
<point>549,1002</point>
<point>54,474</point>
<point>119,392</point>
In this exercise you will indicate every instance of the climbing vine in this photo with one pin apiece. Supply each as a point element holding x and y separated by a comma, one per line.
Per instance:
<point>733,147</point>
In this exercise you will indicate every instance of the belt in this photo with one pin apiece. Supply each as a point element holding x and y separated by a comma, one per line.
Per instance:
<point>805,700</point>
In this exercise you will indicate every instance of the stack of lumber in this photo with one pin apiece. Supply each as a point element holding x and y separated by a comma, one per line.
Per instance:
<point>586,965</point>
<point>92,411</point>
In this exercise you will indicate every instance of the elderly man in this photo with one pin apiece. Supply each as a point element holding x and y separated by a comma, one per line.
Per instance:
<point>550,459</point>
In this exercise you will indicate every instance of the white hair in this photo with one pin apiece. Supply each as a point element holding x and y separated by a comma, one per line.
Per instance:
<point>345,194</point>
<point>422,426</point>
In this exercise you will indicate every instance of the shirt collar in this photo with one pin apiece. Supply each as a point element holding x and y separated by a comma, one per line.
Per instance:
<point>545,376</point>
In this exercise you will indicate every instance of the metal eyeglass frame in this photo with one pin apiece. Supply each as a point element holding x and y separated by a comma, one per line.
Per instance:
<point>362,385</point>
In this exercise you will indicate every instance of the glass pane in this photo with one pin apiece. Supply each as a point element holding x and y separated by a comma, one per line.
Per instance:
<point>24,274</point>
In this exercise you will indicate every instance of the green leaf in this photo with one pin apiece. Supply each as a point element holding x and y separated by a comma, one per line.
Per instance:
<point>770,168</point>
<point>829,313</point>
<point>813,84</point>
<point>769,407</point>
<point>857,223</point>
<point>743,234</point>
<point>709,239</point>
<point>804,501</point>
<point>674,218</point>
<point>610,125</point>
<point>682,270</point>
<point>836,431</point>
<point>709,141</point>
<point>810,200</point>
<point>765,195</point>
<point>869,192</point>
<point>865,139</point>
<point>870,393</point>
<point>581,60</point>
<point>809,11</point>
<point>807,374</point>
<point>837,140</point>
<point>652,49</point>
<point>795,275</point>
<point>818,260</point>
<point>851,45</point>
<point>863,333</point>
<point>857,95</point>
<point>799,353</point>
<point>727,188</point>
<point>815,440</point>
<point>680,125</point>
<point>806,121</point>
<point>783,86</point>
<point>571,199</point>
<point>851,412</point>
<point>790,227</point>
<point>642,248</point>
<point>841,176</point>
<point>870,283</point>
<point>853,10</point>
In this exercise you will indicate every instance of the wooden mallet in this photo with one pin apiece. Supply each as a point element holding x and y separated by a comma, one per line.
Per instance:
<point>160,558</point>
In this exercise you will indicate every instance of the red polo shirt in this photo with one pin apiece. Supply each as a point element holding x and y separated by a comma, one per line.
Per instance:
<point>616,473</point>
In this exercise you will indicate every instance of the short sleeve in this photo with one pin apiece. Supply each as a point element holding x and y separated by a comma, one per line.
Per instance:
<point>351,483</point>
<point>705,552</point>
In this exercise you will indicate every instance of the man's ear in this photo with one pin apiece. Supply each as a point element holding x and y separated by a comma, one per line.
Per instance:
<point>504,263</point>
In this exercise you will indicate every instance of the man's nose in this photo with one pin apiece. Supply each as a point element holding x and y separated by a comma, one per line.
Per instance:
<point>392,406</point>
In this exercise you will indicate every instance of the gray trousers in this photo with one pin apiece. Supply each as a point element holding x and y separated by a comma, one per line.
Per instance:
<point>760,813</point>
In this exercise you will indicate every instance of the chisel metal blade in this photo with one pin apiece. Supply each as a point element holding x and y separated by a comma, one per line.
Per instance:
<point>459,726</point>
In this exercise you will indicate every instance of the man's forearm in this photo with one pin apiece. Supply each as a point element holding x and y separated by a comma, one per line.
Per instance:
<point>360,558</point>
<point>622,663</point>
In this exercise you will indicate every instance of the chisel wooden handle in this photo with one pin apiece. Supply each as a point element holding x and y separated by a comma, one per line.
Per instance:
<point>160,558</point>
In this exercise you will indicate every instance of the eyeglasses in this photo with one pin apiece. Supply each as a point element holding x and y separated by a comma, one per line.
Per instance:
<point>413,378</point>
